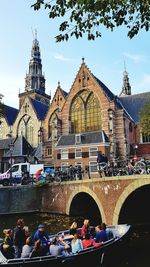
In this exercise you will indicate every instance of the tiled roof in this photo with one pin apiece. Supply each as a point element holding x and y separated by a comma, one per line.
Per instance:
<point>4,143</point>
<point>64,93</point>
<point>107,92</point>
<point>21,147</point>
<point>40,108</point>
<point>38,151</point>
<point>10,114</point>
<point>134,103</point>
<point>86,138</point>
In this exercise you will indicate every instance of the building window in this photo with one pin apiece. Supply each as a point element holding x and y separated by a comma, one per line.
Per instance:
<point>130,127</point>
<point>49,151</point>
<point>64,166</point>
<point>93,151</point>
<point>78,138</point>
<point>93,166</point>
<point>64,154</point>
<point>85,113</point>
<point>145,138</point>
<point>78,153</point>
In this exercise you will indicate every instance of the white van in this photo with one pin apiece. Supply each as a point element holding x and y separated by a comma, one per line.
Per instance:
<point>17,170</point>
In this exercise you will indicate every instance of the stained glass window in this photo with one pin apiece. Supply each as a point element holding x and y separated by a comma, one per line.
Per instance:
<point>85,113</point>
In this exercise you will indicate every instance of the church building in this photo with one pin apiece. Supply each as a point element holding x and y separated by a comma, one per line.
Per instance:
<point>74,126</point>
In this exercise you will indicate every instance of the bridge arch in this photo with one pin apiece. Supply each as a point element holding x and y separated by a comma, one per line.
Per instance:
<point>128,190</point>
<point>83,189</point>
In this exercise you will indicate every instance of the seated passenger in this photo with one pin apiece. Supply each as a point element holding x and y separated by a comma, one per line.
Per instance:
<point>89,242</point>
<point>27,248</point>
<point>85,228</point>
<point>38,249</point>
<point>7,245</point>
<point>73,228</point>
<point>101,234</point>
<point>58,247</point>
<point>76,244</point>
<point>40,234</point>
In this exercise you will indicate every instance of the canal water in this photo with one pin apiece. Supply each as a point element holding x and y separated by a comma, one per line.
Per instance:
<point>137,253</point>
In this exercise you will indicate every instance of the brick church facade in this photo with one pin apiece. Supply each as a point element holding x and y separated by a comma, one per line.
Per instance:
<point>72,127</point>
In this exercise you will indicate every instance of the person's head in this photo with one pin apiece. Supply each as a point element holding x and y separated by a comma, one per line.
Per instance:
<point>86,222</point>
<point>20,223</point>
<point>75,237</point>
<point>103,226</point>
<point>7,232</point>
<point>55,240</point>
<point>98,228</point>
<point>29,241</point>
<point>73,225</point>
<point>41,227</point>
<point>37,244</point>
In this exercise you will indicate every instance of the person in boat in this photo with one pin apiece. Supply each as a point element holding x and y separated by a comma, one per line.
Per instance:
<point>89,242</point>
<point>76,244</point>
<point>38,249</point>
<point>58,247</point>
<point>41,234</point>
<point>27,248</point>
<point>85,228</point>
<point>73,228</point>
<point>19,236</point>
<point>8,245</point>
<point>101,233</point>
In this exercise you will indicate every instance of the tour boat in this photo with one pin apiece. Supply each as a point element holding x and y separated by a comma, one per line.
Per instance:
<point>110,250</point>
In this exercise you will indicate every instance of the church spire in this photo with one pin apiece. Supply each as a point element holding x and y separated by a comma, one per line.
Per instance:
<point>126,88</point>
<point>34,78</point>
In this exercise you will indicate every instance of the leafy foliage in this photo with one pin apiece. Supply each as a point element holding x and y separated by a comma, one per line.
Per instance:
<point>145,119</point>
<point>86,16</point>
<point>2,109</point>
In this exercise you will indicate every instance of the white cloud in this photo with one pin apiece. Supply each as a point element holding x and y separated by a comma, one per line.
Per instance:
<point>61,57</point>
<point>135,57</point>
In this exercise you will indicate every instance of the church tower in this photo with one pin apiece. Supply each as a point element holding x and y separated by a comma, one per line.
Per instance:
<point>34,80</point>
<point>126,88</point>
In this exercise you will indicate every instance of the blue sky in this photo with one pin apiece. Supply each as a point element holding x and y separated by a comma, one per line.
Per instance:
<point>105,56</point>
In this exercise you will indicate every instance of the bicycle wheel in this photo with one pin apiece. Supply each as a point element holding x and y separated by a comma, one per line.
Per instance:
<point>140,167</point>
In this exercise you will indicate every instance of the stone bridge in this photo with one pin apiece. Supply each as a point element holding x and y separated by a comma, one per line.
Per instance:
<point>111,198</point>
<point>109,195</point>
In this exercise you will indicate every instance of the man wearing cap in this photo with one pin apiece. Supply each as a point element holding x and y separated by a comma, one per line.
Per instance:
<point>40,234</point>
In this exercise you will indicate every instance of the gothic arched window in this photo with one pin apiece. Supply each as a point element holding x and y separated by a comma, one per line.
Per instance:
<point>25,128</point>
<point>85,113</point>
<point>53,127</point>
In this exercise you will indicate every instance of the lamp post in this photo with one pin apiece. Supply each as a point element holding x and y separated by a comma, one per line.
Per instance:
<point>11,147</point>
<point>41,139</point>
<point>135,151</point>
